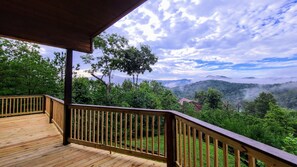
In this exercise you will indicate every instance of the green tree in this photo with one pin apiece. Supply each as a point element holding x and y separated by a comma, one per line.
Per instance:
<point>201,96</point>
<point>260,105</point>
<point>111,47</point>
<point>280,119</point>
<point>290,144</point>
<point>81,91</point>
<point>137,61</point>
<point>24,70</point>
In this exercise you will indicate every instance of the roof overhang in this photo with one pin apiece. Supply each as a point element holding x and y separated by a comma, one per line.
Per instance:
<point>70,24</point>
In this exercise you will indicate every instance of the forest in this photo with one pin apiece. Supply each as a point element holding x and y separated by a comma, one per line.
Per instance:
<point>23,71</point>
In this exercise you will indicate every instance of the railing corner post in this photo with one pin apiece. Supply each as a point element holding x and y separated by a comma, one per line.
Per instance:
<point>171,140</point>
<point>51,111</point>
<point>44,104</point>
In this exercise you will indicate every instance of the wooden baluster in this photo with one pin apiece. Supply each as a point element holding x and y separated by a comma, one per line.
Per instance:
<point>252,161</point>
<point>184,144</point>
<point>106,128</point>
<point>13,106</point>
<point>102,127</point>
<point>17,105</point>
<point>78,124</point>
<point>36,103</point>
<point>27,104</point>
<point>194,148</point>
<point>31,104</point>
<point>159,129</point>
<point>225,154</point>
<point>207,150</point>
<point>21,105</point>
<point>180,143</point>
<point>146,140</point>
<point>216,157</point>
<point>126,130</point>
<point>177,141</point>
<point>6,106</point>
<point>2,105</point>
<point>111,126</point>
<point>10,105</point>
<point>141,132</point>
<point>90,125</point>
<point>153,133</point>
<point>86,125</point>
<point>130,132</point>
<point>237,157</point>
<point>136,124</point>
<point>116,129</point>
<point>121,127</point>
<point>75,124</point>
<point>42,104</point>
<point>165,139</point>
<point>71,120</point>
<point>94,126</point>
<point>98,126</point>
<point>189,145</point>
<point>200,148</point>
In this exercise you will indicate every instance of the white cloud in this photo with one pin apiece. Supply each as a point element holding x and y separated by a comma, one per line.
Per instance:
<point>237,32</point>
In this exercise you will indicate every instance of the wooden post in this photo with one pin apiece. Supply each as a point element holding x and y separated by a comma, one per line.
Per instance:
<point>43,103</point>
<point>171,140</point>
<point>51,111</point>
<point>67,96</point>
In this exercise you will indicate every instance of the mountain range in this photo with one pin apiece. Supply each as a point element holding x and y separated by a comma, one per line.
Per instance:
<point>284,93</point>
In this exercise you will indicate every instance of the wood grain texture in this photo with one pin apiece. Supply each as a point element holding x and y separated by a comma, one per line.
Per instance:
<point>61,24</point>
<point>31,141</point>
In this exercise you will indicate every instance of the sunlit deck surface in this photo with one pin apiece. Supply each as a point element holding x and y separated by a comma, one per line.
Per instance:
<point>31,141</point>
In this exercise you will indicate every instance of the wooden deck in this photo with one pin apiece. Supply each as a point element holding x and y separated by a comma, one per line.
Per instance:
<point>31,141</point>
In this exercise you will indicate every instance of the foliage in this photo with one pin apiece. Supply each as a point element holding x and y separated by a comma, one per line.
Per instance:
<point>280,119</point>
<point>24,71</point>
<point>136,61</point>
<point>117,55</point>
<point>81,93</point>
<point>260,105</point>
<point>290,144</point>
<point>148,95</point>
<point>111,46</point>
<point>212,98</point>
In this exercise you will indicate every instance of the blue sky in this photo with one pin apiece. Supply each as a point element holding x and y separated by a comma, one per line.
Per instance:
<point>197,38</point>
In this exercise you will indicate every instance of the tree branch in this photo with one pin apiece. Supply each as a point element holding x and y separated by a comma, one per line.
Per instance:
<point>100,79</point>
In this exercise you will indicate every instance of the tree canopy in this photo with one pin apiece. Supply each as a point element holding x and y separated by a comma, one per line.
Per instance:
<point>24,71</point>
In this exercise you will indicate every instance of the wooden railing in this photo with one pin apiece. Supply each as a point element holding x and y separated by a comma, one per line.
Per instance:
<point>20,105</point>
<point>137,132</point>
<point>202,144</point>
<point>54,108</point>
<point>187,141</point>
<point>163,135</point>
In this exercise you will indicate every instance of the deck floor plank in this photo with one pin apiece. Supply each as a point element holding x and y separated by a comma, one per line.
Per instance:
<point>30,140</point>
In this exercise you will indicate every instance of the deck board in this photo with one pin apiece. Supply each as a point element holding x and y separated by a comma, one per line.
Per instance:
<point>31,141</point>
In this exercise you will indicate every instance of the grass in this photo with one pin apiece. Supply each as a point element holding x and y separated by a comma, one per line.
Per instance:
<point>231,158</point>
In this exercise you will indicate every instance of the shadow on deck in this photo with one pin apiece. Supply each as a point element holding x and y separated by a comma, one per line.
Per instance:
<point>31,141</point>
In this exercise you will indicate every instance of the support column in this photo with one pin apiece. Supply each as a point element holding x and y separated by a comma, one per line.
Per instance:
<point>67,96</point>
<point>171,140</point>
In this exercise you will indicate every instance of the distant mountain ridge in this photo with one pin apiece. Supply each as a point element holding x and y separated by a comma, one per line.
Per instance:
<point>285,93</point>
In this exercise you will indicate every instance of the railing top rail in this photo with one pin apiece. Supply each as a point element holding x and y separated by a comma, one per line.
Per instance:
<point>20,96</point>
<point>244,141</point>
<point>120,109</point>
<point>54,98</point>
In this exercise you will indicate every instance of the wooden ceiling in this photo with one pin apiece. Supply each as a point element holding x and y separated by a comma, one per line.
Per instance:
<point>70,24</point>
